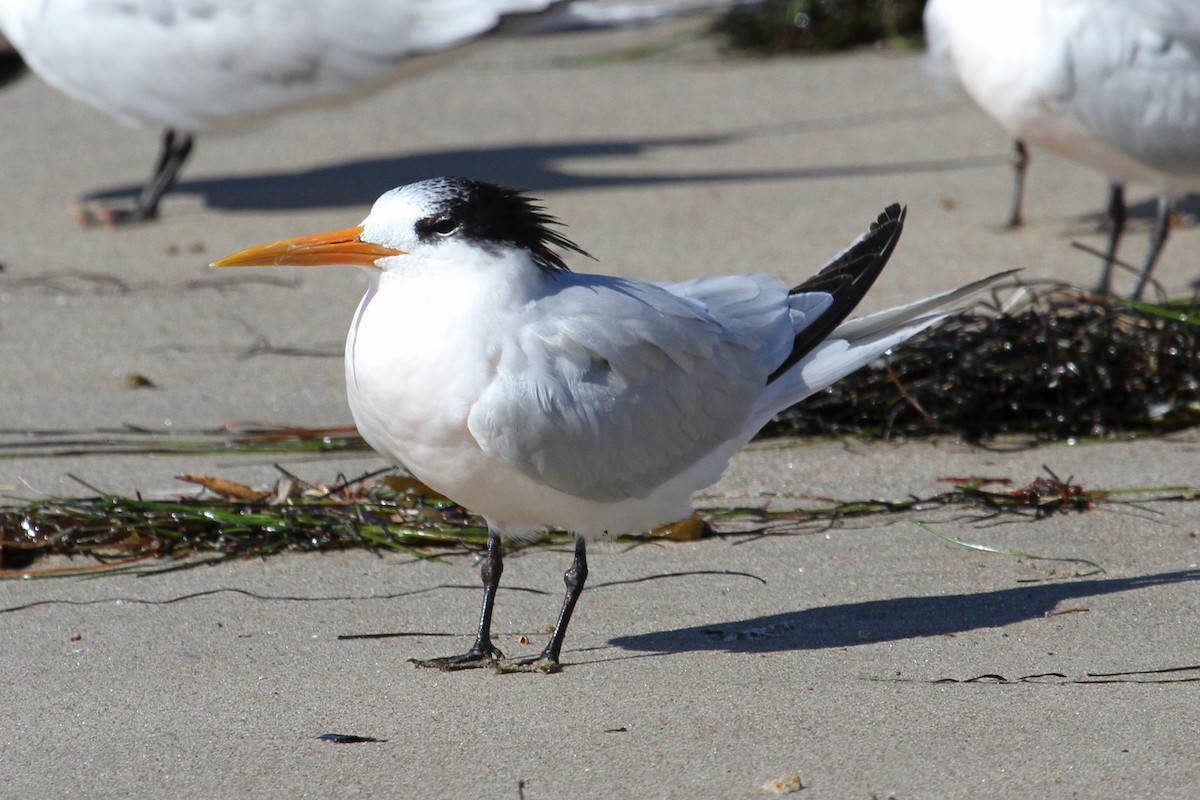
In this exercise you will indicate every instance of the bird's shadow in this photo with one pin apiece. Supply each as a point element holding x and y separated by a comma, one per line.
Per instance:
<point>1186,208</point>
<point>894,619</point>
<point>529,166</point>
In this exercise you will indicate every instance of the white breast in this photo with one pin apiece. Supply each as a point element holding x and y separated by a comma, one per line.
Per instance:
<point>419,353</point>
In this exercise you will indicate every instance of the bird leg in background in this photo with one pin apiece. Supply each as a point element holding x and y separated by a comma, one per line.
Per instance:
<point>547,661</point>
<point>483,653</point>
<point>1020,162</point>
<point>1158,238</point>
<point>1115,216</point>
<point>175,150</point>
<point>12,66</point>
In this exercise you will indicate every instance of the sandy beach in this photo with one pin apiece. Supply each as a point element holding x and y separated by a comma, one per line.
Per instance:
<point>874,661</point>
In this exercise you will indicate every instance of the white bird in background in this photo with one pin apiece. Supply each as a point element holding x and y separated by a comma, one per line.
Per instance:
<point>192,66</point>
<point>537,396</point>
<point>1110,84</point>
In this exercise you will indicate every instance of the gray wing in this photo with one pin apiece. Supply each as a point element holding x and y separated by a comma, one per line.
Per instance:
<point>195,63</point>
<point>1131,77</point>
<point>610,387</point>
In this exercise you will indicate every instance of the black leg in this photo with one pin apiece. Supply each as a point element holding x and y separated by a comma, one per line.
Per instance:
<point>1158,238</point>
<point>547,661</point>
<point>1116,226</point>
<point>12,66</point>
<point>483,653</point>
<point>1020,162</point>
<point>174,152</point>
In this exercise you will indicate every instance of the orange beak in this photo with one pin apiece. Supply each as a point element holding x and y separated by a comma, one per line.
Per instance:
<point>335,248</point>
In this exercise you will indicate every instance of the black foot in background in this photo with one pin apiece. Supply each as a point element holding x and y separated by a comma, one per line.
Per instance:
<point>542,663</point>
<point>176,148</point>
<point>93,213</point>
<point>475,658</point>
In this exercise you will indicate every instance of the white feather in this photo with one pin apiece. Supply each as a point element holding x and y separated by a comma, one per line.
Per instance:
<point>1111,84</point>
<point>200,65</point>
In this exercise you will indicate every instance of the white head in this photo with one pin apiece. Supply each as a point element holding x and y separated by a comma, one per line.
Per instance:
<point>437,219</point>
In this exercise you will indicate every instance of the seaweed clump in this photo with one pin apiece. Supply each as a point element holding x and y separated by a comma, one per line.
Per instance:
<point>819,26</point>
<point>233,521</point>
<point>1067,364</point>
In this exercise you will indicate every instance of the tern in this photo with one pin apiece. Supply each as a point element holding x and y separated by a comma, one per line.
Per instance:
<point>537,396</point>
<point>192,67</point>
<point>1113,85</point>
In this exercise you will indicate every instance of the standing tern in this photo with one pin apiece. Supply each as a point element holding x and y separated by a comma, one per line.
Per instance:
<point>1110,84</point>
<point>537,396</point>
<point>193,66</point>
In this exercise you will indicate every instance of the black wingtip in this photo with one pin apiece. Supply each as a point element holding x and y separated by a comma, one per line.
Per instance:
<point>848,277</point>
<point>861,262</point>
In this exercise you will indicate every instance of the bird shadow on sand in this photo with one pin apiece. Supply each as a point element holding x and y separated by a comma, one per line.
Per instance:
<point>894,619</point>
<point>1144,212</point>
<point>533,167</point>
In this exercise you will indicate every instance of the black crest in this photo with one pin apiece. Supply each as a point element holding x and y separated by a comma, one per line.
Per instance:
<point>493,216</point>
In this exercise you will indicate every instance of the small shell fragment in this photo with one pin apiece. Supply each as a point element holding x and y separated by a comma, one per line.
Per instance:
<point>786,785</point>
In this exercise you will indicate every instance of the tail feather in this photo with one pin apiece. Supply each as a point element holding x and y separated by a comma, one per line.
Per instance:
<point>857,342</point>
<point>939,306</point>
<point>846,279</point>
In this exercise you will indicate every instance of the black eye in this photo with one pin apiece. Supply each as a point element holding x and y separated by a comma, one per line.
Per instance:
<point>444,226</point>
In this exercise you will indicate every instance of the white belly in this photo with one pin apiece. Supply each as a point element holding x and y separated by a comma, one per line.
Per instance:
<point>413,372</point>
